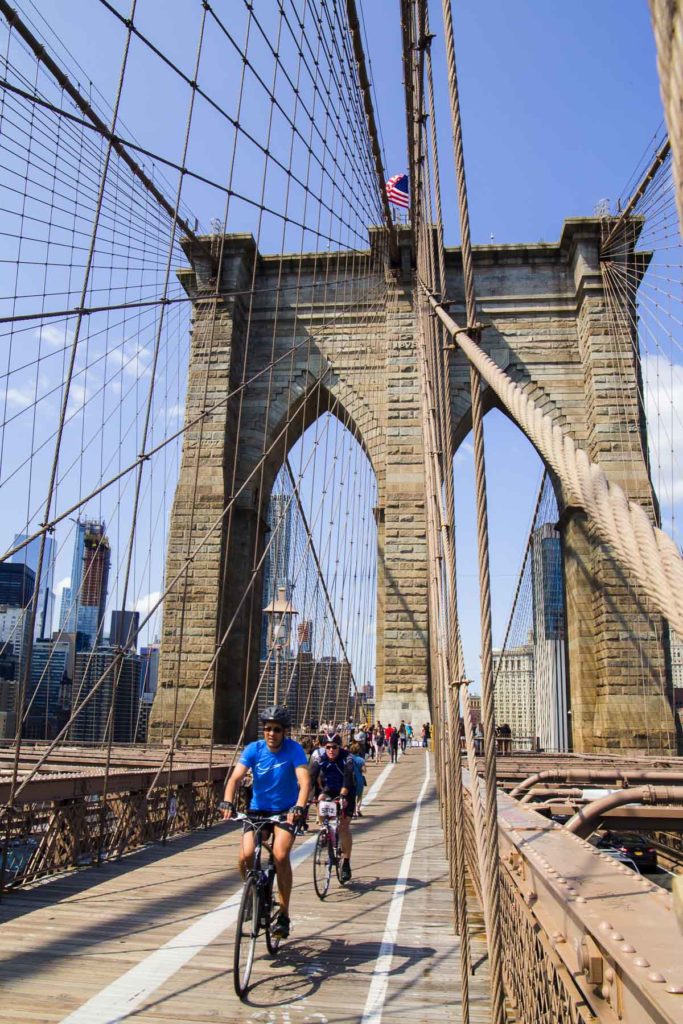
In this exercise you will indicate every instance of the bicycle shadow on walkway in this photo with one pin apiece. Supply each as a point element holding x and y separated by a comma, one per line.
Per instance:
<point>362,884</point>
<point>303,965</point>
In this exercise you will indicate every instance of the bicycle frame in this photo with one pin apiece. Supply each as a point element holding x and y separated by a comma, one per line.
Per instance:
<point>256,908</point>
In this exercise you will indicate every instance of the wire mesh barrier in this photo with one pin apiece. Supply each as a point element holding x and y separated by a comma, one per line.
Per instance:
<point>48,836</point>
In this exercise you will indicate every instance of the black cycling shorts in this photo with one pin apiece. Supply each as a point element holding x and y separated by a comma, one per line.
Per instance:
<point>257,816</point>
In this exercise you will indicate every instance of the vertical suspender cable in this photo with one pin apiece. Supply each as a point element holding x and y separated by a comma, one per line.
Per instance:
<point>492,883</point>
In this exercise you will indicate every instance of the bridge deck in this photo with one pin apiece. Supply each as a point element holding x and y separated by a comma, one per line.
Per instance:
<point>150,938</point>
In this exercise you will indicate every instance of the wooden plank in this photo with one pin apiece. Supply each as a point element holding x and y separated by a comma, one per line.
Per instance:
<point>64,941</point>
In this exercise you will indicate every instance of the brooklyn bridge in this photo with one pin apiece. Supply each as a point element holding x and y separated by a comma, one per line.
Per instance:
<point>283,427</point>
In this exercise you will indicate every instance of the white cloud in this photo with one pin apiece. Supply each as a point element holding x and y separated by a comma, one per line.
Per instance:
<point>134,359</point>
<point>464,453</point>
<point>176,411</point>
<point>54,335</point>
<point>66,582</point>
<point>145,604</point>
<point>19,398</point>
<point>663,387</point>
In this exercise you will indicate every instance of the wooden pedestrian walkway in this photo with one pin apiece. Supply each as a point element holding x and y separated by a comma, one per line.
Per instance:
<point>150,938</point>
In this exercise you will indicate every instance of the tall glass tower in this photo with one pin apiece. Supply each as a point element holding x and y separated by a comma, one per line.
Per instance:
<point>83,603</point>
<point>29,556</point>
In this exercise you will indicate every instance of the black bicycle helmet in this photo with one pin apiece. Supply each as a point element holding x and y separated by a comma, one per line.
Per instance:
<point>276,713</point>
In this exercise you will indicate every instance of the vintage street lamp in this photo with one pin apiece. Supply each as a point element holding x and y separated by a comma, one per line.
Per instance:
<point>280,613</point>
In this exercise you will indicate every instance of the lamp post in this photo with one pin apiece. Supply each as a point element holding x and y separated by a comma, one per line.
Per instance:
<point>279,612</point>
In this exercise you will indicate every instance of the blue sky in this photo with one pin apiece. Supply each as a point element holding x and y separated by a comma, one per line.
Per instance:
<point>559,102</point>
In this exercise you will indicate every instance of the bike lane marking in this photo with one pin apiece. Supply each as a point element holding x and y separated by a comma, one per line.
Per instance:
<point>374,1004</point>
<point>122,997</point>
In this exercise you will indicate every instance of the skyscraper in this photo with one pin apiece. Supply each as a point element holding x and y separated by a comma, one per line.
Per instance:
<point>515,696</point>
<point>49,688</point>
<point>124,627</point>
<point>29,556</point>
<point>550,656</point>
<point>17,582</point>
<point>277,561</point>
<point>84,601</point>
<point>91,723</point>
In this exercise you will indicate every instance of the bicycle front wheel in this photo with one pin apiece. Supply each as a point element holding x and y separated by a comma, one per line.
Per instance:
<point>338,860</point>
<point>245,937</point>
<point>271,911</point>
<point>322,864</point>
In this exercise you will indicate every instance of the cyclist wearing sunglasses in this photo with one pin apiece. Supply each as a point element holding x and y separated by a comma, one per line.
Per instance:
<point>279,767</point>
<point>334,774</point>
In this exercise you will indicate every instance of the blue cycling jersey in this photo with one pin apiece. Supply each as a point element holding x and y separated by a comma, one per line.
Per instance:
<point>275,783</point>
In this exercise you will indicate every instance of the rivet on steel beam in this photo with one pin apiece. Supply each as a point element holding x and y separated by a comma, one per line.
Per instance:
<point>640,961</point>
<point>606,992</point>
<point>616,937</point>
<point>558,937</point>
<point>674,989</point>
<point>580,899</point>
<point>605,926</point>
<point>628,948</point>
<point>609,974</point>
<point>656,977</point>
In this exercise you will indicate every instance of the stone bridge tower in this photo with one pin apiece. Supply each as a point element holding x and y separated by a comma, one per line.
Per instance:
<point>546,321</point>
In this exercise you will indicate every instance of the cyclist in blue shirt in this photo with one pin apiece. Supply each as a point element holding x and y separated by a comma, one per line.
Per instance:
<point>334,773</point>
<point>279,767</point>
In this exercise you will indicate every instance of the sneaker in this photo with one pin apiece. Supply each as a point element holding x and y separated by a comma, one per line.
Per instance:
<point>345,873</point>
<point>280,929</point>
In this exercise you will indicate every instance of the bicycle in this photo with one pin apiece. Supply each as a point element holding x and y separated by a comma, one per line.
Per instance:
<point>327,855</point>
<point>258,911</point>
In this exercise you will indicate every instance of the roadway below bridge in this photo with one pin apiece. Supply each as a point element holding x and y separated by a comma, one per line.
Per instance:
<point>150,937</point>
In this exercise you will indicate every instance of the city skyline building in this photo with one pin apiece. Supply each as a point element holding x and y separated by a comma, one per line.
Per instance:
<point>17,582</point>
<point>278,556</point>
<point>29,556</point>
<point>90,725</point>
<point>313,689</point>
<point>515,695</point>
<point>84,600</point>
<point>124,624</point>
<point>49,694</point>
<point>550,654</point>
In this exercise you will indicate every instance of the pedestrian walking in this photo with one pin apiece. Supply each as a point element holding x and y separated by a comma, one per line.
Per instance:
<point>402,736</point>
<point>379,742</point>
<point>359,775</point>
<point>393,745</point>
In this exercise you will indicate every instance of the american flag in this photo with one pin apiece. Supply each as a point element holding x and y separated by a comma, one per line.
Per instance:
<point>397,190</point>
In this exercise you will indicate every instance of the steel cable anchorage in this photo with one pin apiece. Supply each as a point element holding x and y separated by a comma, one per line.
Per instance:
<point>641,548</point>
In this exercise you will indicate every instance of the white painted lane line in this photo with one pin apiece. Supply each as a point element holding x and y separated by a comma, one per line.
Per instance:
<point>374,1004</point>
<point>377,785</point>
<point>118,1000</point>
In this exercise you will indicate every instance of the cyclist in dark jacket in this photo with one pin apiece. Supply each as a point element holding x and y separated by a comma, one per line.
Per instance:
<point>333,775</point>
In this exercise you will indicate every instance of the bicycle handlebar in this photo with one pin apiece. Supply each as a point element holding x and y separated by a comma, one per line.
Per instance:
<point>271,819</point>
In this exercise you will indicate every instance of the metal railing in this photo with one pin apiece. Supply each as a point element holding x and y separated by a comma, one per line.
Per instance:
<point>585,939</point>
<point>63,822</point>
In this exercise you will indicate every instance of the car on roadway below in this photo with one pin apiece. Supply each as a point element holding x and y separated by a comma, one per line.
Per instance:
<point>622,858</point>
<point>632,845</point>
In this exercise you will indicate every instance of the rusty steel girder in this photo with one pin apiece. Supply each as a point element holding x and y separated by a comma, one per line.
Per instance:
<point>587,939</point>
